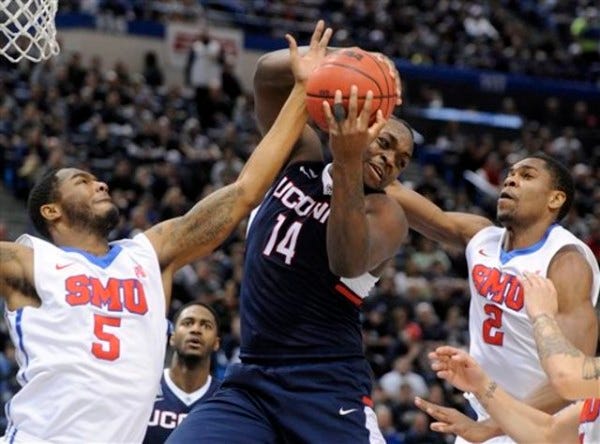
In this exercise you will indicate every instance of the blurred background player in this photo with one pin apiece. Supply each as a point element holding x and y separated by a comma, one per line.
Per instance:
<point>535,196</point>
<point>187,381</point>
<point>574,375</point>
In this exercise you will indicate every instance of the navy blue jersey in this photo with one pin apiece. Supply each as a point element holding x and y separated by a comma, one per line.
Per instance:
<point>169,410</point>
<point>292,306</point>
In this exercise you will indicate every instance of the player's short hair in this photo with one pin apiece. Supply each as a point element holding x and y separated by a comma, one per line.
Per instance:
<point>561,180</point>
<point>45,191</point>
<point>201,304</point>
<point>407,125</point>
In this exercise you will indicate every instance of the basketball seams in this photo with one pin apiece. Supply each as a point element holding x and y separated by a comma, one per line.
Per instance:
<point>385,76</point>
<point>353,68</point>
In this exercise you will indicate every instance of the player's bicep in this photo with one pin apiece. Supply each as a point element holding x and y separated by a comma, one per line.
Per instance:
<point>388,228</point>
<point>13,258</point>
<point>573,279</point>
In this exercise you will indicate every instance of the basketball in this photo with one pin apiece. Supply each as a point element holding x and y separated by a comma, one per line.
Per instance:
<point>344,68</point>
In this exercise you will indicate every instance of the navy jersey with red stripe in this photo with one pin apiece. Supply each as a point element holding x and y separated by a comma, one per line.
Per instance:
<point>292,305</point>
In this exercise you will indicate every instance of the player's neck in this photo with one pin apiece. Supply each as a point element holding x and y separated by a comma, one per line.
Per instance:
<point>523,237</point>
<point>189,378</point>
<point>93,244</point>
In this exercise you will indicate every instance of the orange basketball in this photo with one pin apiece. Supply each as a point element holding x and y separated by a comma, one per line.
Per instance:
<point>344,68</point>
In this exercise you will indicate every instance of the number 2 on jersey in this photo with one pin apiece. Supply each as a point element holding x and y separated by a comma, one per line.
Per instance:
<point>492,325</point>
<point>287,245</point>
<point>109,348</point>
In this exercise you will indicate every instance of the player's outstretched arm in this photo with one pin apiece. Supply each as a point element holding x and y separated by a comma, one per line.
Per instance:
<point>432,222</point>
<point>520,421</point>
<point>197,233</point>
<point>361,234</point>
<point>16,274</point>
<point>572,373</point>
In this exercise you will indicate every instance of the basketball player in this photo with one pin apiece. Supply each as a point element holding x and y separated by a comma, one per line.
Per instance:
<point>88,317</point>
<point>535,196</point>
<point>314,250</point>
<point>574,375</point>
<point>187,382</point>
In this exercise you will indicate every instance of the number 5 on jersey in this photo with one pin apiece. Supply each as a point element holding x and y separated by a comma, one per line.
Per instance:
<point>109,348</point>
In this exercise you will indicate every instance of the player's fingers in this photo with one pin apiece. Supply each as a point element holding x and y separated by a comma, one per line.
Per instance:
<point>339,112</point>
<point>353,104</point>
<point>441,427</point>
<point>431,409</point>
<point>331,121</point>
<point>365,112</point>
<point>293,46</point>
<point>317,33</point>
<point>378,125</point>
<point>447,350</point>
<point>325,38</point>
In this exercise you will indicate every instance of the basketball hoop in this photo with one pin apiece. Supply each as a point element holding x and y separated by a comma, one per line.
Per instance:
<point>27,29</point>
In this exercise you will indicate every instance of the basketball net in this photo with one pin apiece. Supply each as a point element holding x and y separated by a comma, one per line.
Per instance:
<point>27,29</point>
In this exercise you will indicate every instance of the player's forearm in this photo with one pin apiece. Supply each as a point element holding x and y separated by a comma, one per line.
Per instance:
<point>347,227</point>
<point>572,374</point>
<point>520,421</point>
<point>272,152</point>
<point>431,221</point>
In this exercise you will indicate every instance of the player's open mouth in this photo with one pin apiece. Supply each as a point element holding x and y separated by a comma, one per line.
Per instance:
<point>505,195</point>
<point>377,170</point>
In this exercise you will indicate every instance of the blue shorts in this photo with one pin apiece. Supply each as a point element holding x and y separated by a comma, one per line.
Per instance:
<point>306,403</point>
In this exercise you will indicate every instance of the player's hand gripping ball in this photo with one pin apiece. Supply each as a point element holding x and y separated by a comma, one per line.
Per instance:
<point>347,67</point>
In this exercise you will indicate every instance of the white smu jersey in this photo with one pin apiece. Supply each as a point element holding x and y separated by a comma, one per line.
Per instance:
<point>589,422</point>
<point>91,355</point>
<point>502,339</point>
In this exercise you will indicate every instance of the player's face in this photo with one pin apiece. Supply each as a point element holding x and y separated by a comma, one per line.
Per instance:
<point>525,193</point>
<point>195,334</point>
<point>387,155</point>
<point>85,201</point>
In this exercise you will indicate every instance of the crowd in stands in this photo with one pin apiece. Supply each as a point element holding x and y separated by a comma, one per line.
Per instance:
<point>147,141</point>
<point>558,39</point>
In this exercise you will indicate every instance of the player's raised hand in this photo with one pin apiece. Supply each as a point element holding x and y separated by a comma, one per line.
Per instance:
<point>351,134</point>
<point>458,368</point>
<point>449,420</point>
<point>540,295</point>
<point>303,64</point>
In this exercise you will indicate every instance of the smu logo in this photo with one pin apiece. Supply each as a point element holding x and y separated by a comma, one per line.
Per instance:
<point>498,287</point>
<point>116,295</point>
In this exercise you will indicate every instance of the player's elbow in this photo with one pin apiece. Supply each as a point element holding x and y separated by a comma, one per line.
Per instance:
<point>248,194</point>
<point>273,70</point>
<point>343,267</point>
<point>565,383</point>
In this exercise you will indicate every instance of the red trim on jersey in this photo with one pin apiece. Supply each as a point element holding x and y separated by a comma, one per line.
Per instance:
<point>367,401</point>
<point>349,294</point>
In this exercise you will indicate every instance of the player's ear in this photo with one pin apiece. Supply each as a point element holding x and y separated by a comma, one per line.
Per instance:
<point>557,199</point>
<point>50,211</point>
<point>171,341</point>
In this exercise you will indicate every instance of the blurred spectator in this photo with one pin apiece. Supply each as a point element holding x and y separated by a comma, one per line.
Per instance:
<point>203,71</point>
<point>152,72</point>
<point>403,373</point>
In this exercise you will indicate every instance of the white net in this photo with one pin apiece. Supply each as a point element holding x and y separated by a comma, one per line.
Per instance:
<point>27,29</point>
